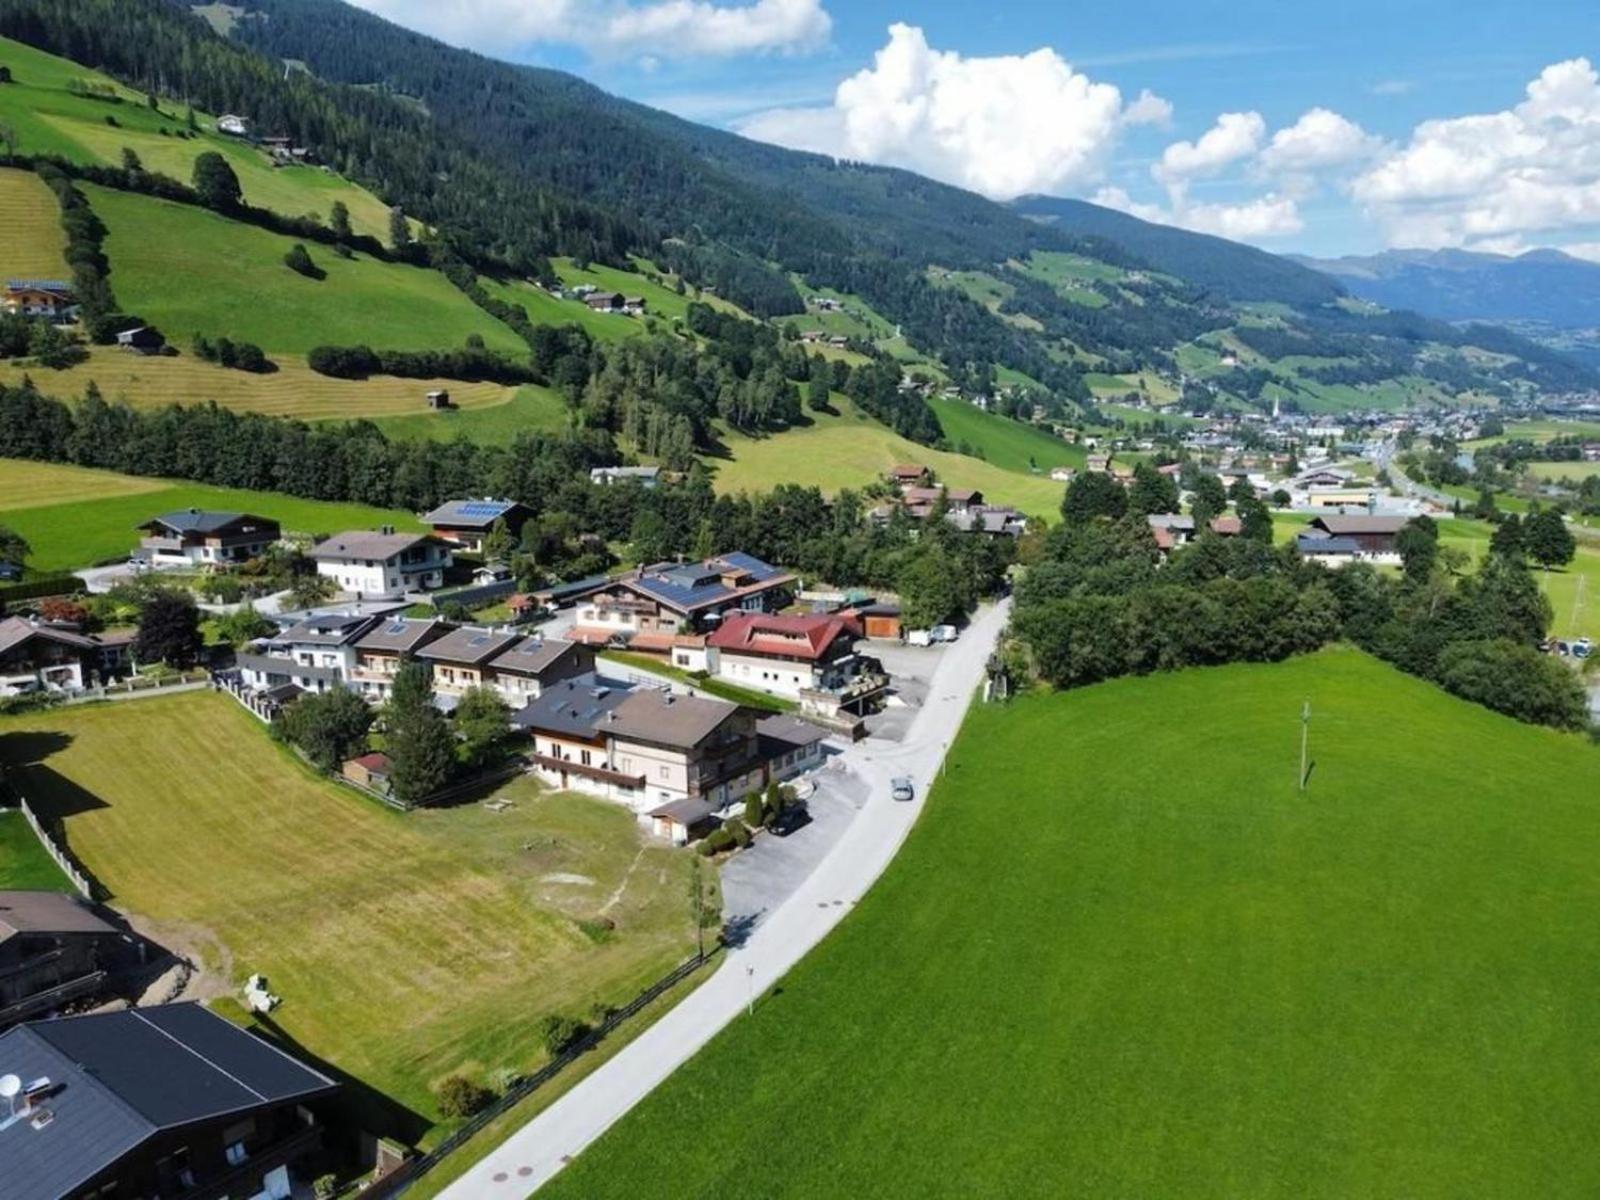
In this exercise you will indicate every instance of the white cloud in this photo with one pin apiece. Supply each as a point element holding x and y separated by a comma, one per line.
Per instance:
<point>1261,219</point>
<point>657,29</point>
<point>1589,250</point>
<point>1319,140</point>
<point>1002,126</point>
<point>1235,136</point>
<point>1393,87</point>
<point>1532,169</point>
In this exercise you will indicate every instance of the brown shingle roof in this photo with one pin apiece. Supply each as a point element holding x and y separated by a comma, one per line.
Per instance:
<point>682,722</point>
<point>469,644</point>
<point>362,543</point>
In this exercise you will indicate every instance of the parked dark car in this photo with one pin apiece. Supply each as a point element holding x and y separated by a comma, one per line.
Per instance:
<point>794,816</point>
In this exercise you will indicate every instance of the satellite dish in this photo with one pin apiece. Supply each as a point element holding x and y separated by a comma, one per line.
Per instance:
<point>10,1087</point>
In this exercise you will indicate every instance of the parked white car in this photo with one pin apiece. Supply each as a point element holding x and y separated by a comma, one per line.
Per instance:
<point>919,637</point>
<point>944,633</point>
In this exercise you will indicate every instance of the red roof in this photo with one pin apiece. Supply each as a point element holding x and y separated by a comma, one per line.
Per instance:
<point>792,637</point>
<point>1227,526</point>
<point>377,764</point>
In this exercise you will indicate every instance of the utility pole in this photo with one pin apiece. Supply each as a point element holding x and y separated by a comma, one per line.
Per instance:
<point>1305,741</point>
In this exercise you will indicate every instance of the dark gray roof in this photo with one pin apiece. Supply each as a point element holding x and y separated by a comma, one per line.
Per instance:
<point>574,707</point>
<point>270,664</point>
<point>533,656</point>
<point>469,644</point>
<point>1310,543</point>
<point>328,629</point>
<point>200,520</point>
<point>47,912</point>
<point>791,731</point>
<point>118,1078</point>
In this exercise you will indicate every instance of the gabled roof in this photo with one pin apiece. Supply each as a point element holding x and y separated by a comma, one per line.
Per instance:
<point>16,630</point>
<point>375,763</point>
<point>328,629</point>
<point>789,731</point>
<point>1310,543</point>
<point>48,912</point>
<point>58,287</point>
<point>1353,526</point>
<point>792,637</point>
<point>119,1078</point>
<point>362,543</point>
<point>401,635</point>
<point>573,708</point>
<point>533,656</point>
<point>200,520</point>
<point>681,722</point>
<point>687,587</point>
<point>471,514</point>
<point>470,644</point>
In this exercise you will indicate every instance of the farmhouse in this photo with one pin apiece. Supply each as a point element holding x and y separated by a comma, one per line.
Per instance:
<point>989,521</point>
<point>571,745</point>
<point>36,657</point>
<point>165,1101</point>
<point>55,950</point>
<point>1173,529</point>
<point>383,565</point>
<point>686,747</point>
<point>466,523</point>
<point>383,650</point>
<point>1362,537</point>
<point>50,298</point>
<point>648,608</point>
<point>791,656</point>
<point>647,477</point>
<point>904,475</point>
<point>200,538</point>
<point>604,301</point>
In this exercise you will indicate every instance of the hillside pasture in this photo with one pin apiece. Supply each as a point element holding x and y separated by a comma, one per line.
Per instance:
<point>1141,963</point>
<point>406,947</point>
<point>234,284</point>
<point>544,309</point>
<point>849,450</point>
<point>74,517</point>
<point>31,239</point>
<point>294,390</point>
<point>528,409</point>
<point>1002,442</point>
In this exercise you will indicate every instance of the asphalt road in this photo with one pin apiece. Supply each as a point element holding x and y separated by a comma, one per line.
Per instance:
<point>540,1148</point>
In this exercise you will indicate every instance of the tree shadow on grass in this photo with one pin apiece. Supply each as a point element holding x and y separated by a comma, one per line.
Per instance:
<point>53,798</point>
<point>27,747</point>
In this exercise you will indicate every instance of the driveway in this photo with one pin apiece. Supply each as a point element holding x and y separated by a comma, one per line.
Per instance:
<point>534,1153</point>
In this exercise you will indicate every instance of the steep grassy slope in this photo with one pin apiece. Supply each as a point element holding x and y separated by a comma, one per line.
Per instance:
<point>31,240</point>
<point>1121,957</point>
<point>1002,442</point>
<point>234,283</point>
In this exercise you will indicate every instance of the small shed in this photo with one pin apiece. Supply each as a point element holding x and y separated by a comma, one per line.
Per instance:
<point>142,340</point>
<point>439,399</point>
<point>880,622</point>
<point>682,819</point>
<point>370,771</point>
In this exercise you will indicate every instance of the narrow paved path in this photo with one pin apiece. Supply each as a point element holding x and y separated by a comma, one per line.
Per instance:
<point>540,1148</point>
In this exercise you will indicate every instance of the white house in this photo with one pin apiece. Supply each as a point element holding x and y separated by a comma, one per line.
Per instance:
<point>194,537</point>
<point>316,655</point>
<point>233,125</point>
<point>384,565</point>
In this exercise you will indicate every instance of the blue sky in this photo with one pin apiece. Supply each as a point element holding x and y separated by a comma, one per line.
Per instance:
<point>1316,128</point>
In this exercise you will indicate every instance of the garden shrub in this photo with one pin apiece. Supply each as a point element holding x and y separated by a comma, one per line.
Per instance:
<point>460,1097</point>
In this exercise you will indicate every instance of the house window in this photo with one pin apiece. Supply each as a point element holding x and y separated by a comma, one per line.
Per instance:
<point>236,1154</point>
<point>663,772</point>
<point>583,757</point>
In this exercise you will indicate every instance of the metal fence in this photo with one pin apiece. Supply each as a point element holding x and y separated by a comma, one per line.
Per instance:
<point>397,1181</point>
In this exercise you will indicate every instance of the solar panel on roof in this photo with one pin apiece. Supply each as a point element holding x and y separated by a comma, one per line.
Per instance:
<point>397,627</point>
<point>481,510</point>
<point>478,639</point>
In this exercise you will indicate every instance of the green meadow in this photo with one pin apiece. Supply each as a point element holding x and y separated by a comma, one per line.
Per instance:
<point>1121,955</point>
<point>1002,442</point>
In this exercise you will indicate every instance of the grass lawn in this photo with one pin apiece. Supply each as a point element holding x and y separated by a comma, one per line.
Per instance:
<point>294,390</point>
<point>31,240</point>
<point>406,947</point>
<point>544,309</point>
<point>528,408</point>
<point>1141,964</point>
<point>74,517</point>
<point>1538,432</point>
<point>1003,442</point>
<point>1564,470</point>
<point>850,449</point>
<point>24,866</point>
<point>660,300</point>
<point>234,284</point>
<point>1574,590</point>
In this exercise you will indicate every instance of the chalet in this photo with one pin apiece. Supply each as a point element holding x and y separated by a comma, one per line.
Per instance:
<point>989,521</point>
<point>1098,463</point>
<point>522,671</point>
<point>646,609</point>
<point>201,538</point>
<point>316,654</point>
<point>686,747</point>
<point>604,301</point>
<point>467,523</point>
<point>142,340</point>
<point>38,657</point>
<point>165,1101</point>
<point>461,659</point>
<point>919,502</point>
<point>1329,551</point>
<point>1373,536</point>
<point>909,475</point>
<point>55,950</point>
<point>386,647</point>
<point>568,726</point>
<point>383,565</point>
<point>50,298</point>
<point>646,477</point>
<point>788,656</point>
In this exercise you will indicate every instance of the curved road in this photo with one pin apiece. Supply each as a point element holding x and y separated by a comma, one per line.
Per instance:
<point>538,1150</point>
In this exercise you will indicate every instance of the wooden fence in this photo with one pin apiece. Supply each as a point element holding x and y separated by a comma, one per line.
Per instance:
<point>58,853</point>
<point>397,1181</point>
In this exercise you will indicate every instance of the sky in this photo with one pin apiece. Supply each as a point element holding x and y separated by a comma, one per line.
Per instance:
<point>1321,129</point>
